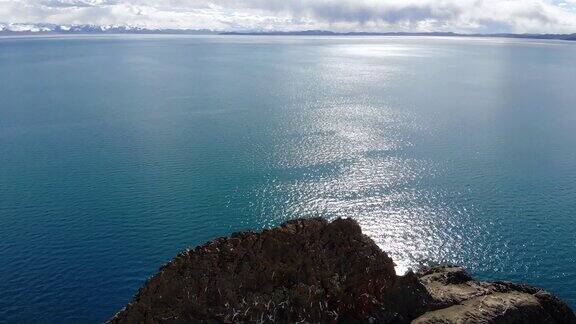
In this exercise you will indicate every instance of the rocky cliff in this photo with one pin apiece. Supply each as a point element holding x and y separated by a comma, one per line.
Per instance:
<point>315,271</point>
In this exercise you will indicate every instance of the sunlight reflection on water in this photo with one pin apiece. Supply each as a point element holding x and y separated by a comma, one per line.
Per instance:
<point>355,153</point>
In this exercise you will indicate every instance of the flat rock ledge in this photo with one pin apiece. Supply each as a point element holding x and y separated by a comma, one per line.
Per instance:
<point>314,271</point>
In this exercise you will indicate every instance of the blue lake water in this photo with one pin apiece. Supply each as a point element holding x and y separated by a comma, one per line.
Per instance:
<point>118,152</point>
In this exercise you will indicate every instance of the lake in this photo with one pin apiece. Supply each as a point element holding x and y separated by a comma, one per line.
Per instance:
<point>117,152</point>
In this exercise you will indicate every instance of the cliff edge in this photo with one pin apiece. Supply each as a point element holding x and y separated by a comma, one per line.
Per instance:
<point>315,271</point>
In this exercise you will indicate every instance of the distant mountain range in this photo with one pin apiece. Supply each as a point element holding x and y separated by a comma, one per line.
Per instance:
<point>39,29</point>
<point>571,37</point>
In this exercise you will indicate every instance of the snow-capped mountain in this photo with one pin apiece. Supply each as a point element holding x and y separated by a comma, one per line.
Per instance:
<point>18,28</point>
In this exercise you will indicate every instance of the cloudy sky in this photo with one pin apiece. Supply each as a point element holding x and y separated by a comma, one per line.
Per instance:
<point>534,16</point>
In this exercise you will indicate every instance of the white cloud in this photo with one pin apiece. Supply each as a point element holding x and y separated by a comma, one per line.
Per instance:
<point>538,16</point>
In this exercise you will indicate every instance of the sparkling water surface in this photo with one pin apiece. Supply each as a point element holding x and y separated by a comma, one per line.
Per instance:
<point>117,152</point>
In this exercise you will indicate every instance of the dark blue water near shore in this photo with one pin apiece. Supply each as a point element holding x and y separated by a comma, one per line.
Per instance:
<point>118,152</point>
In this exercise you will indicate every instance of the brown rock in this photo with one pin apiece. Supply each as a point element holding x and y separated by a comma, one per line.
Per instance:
<point>315,271</point>
<point>467,301</point>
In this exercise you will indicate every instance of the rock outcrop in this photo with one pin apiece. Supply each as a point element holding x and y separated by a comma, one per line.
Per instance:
<point>463,300</point>
<point>315,271</point>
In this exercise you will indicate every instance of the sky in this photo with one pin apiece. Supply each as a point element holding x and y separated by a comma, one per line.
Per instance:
<point>464,16</point>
